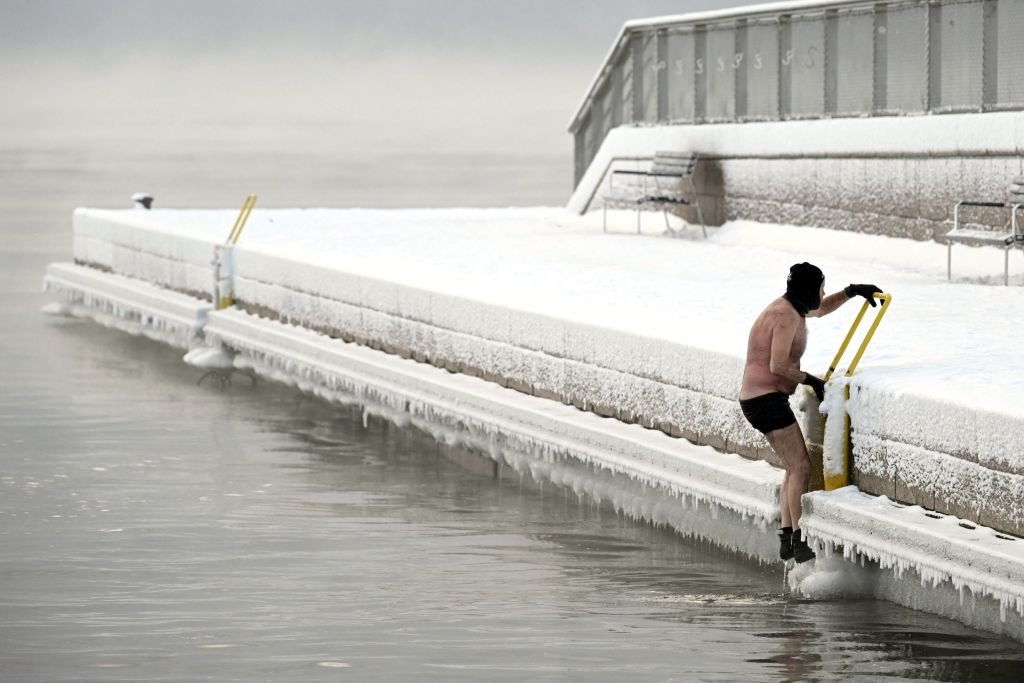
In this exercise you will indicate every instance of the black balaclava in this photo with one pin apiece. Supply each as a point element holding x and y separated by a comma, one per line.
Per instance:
<point>803,287</point>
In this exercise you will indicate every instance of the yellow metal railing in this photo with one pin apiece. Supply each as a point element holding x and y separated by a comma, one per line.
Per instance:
<point>223,262</point>
<point>243,216</point>
<point>841,478</point>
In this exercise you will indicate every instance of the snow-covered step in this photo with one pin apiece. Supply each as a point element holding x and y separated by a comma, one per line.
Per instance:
<point>944,551</point>
<point>127,303</point>
<point>319,363</point>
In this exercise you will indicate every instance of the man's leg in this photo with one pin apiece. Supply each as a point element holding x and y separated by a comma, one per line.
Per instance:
<point>788,443</point>
<point>787,519</point>
<point>786,531</point>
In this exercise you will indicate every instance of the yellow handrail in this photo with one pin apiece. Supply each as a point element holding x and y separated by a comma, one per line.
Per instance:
<point>223,276</point>
<point>840,479</point>
<point>243,216</point>
<point>846,342</point>
<point>886,299</point>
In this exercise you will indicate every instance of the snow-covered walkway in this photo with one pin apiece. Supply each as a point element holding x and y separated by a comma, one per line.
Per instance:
<point>955,345</point>
<point>958,342</point>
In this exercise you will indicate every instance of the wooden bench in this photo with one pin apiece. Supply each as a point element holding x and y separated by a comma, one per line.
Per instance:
<point>671,174</point>
<point>1008,237</point>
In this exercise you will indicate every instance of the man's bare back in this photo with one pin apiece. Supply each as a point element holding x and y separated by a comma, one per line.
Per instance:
<point>758,376</point>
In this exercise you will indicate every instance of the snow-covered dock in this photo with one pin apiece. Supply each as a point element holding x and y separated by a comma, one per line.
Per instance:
<point>646,329</point>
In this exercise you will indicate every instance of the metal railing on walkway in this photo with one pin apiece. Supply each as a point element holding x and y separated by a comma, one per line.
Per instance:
<point>807,59</point>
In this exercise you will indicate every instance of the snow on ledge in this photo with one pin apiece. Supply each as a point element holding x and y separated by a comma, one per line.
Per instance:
<point>992,133</point>
<point>127,304</point>
<point>938,548</point>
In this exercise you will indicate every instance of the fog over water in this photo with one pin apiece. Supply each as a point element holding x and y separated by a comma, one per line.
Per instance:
<point>359,82</point>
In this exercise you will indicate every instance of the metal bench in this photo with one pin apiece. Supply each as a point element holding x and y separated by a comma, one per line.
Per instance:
<point>672,177</point>
<point>1008,237</point>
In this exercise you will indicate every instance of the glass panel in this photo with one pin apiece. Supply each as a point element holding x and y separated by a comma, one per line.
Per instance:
<point>960,44</point>
<point>855,63</point>
<point>1010,53</point>
<point>649,56</point>
<point>906,70</point>
<point>762,64</point>
<point>626,71</point>
<point>720,62</point>
<point>807,66</point>
<point>680,66</point>
<point>606,101</point>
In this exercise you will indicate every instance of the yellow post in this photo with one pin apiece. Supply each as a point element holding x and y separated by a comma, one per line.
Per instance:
<point>243,216</point>
<point>223,257</point>
<point>885,299</point>
<point>835,480</point>
<point>846,342</point>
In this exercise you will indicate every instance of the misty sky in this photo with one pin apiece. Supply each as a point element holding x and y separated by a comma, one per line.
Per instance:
<point>479,74</point>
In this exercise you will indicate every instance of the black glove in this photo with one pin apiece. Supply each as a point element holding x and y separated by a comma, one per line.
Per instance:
<point>817,384</point>
<point>866,291</point>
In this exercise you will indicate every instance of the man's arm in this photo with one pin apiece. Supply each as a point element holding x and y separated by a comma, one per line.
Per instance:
<point>829,304</point>
<point>781,362</point>
<point>834,301</point>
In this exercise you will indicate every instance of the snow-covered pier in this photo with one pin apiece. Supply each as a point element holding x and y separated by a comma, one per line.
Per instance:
<point>536,338</point>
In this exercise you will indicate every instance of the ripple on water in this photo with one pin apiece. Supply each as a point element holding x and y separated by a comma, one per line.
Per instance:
<point>723,599</point>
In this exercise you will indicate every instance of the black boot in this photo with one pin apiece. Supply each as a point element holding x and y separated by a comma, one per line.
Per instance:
<point>785,542</point>
<point>801,551</point>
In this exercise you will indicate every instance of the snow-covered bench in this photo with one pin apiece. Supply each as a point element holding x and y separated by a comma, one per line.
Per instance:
<point>672,176</point>
<point>1008,237</point>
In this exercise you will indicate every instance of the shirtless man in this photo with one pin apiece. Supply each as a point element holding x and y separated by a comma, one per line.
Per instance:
<point>772,373</point>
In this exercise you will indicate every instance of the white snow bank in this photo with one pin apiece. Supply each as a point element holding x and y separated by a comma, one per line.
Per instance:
<point>674,310</point>
<point>939,549</point>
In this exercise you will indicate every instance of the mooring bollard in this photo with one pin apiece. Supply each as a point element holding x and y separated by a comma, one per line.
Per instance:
<point>142,200</point>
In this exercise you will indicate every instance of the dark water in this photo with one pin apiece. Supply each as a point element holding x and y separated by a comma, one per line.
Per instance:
<point>153,529</point>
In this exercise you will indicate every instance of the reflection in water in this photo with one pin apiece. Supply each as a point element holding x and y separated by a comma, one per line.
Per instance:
<point>798,660</point>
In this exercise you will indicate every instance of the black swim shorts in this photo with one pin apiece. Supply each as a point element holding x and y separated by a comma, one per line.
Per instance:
<point>768,412</point>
